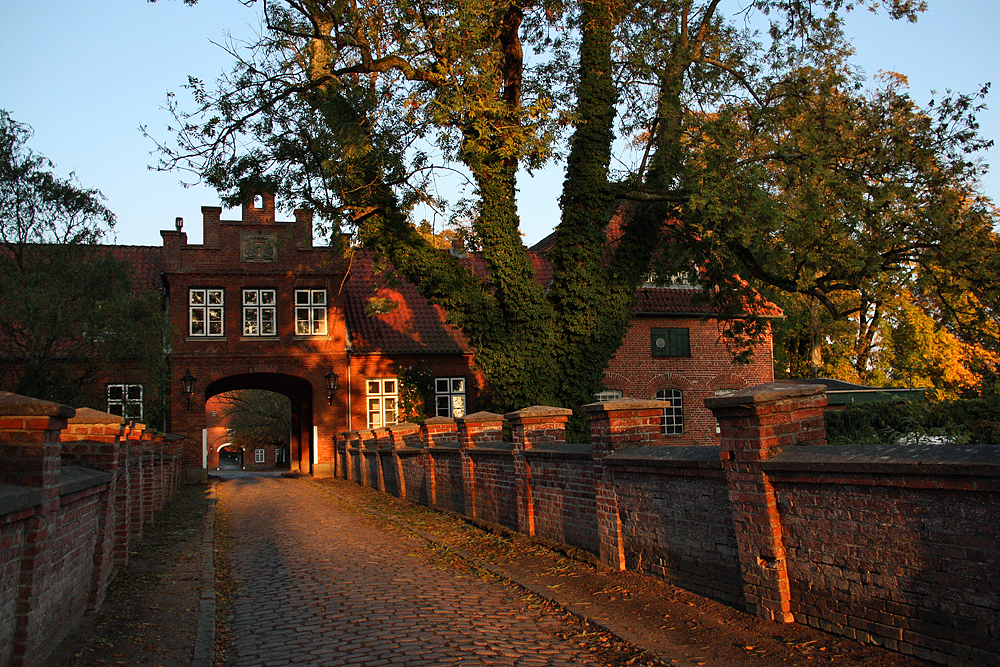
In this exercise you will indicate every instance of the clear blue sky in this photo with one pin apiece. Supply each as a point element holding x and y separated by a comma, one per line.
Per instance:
<point>85,74</point>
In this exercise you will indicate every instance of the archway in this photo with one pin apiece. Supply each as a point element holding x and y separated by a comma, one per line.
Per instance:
<point>300,394</point>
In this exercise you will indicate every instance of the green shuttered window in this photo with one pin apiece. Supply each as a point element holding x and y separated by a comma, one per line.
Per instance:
<point>671,343</point>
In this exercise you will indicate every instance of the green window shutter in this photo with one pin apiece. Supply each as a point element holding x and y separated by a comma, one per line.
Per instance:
<point>671,343</point>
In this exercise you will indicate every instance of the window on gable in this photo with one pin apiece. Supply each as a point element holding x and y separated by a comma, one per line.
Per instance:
<point>125,400</point>
<point>382,396</point>
<point>259,312</point>
<point>310,312</point>
<point>449,397</point>
<point>671,343</point>
<point>672,421</point>
<point>205,307</point>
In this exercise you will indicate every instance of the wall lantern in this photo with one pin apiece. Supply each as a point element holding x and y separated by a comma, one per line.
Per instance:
<point>187,386</point>
<point>331,384</point>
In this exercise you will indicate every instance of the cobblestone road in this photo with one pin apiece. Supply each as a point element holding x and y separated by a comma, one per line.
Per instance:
<point>319,584</point>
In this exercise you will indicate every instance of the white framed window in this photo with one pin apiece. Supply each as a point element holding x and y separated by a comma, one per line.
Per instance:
<point>383,398</point>
<point>205,307</point>
<point>608,395</point>
<point>277,455</point>
<point>125,400</point>
<point>259,455</point>
<point>310,312</point>
<point>449,397</point>
<point>259,312</point>
<point>672,422</point>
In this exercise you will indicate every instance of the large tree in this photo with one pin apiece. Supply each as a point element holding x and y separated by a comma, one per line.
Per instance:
<point>69,312</point>
<point>350,107</point>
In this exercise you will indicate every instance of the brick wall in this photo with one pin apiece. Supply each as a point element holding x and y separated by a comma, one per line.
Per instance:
<point>676,521</point>
<point>889,545</point>
<point>71,484</point>
<point>912,565</point>
<point>495,483</point>
<point>638,374</point>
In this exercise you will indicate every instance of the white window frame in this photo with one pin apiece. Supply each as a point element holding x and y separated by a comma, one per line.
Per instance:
<point>449,397</point>
<point>382,401</point>
<point>259,455</point>
<point>206,310</point>
<point>608,395</point>
<point>310,312</point>
<point>672,421</point>
<point>260,312</point>
<point>125,400</point>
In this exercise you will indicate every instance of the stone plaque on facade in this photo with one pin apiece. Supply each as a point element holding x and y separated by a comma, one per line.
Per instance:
<point>260,247</point>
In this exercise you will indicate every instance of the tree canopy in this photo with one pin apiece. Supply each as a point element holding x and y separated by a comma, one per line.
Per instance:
<point>760,160</point>
<point>257,417</point>
<point>69,311</point>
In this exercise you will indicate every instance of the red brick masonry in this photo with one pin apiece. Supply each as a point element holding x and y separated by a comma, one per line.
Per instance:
<point>76,487</point>
<point>893,545</point>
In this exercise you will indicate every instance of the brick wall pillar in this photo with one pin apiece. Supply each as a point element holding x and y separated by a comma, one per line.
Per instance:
<point>138,480</point>
<point>613,425</point>
<point>435,432</point>
<point>94,438</point>
<point>30,456</point>
<point>380,441</point>
<point>364,438</point>
<point>480,429</point>
<point>401,436</point>
<point>756,423</point>
<point>531,427</point>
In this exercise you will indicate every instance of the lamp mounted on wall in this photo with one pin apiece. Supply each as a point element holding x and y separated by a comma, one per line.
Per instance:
<point>331,384</point>
<point>187,386</point>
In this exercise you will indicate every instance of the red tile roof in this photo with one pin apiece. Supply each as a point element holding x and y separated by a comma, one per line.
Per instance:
<point>413,326</point>
<point>146,261</point>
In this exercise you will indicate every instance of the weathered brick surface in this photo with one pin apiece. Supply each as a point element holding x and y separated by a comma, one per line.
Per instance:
<point>904,566</point>
<point>677,523</point>
<point>447,478</point>
<point>562,492</point>
<point>495,483</point>
<point>890,546</point>
<point>66,520</point>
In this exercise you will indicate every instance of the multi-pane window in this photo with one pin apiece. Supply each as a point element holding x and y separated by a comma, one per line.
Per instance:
<point>310,312</point>
<point>125,400</point>
<point>259,313</point>
<point>672,421</point>
<point>671,343</point>
<point>205,308</point>
<point>608,395</point>
<point>449,397</point>
<point>383,399</point>
<point>259,455</point>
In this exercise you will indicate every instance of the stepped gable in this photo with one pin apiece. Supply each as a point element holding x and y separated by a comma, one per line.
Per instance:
<point>412,326</point>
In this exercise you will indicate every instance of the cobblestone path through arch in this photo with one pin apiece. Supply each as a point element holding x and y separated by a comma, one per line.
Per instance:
<point>319,584</point>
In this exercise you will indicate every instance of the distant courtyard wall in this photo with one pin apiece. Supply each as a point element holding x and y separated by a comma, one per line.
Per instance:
<point>895,545</point>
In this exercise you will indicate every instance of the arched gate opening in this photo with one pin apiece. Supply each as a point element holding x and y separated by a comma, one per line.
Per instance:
<point>300,394</point>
